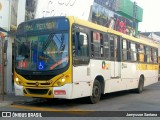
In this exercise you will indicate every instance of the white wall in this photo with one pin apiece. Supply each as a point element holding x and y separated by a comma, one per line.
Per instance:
<point>8,84</point>
<point>78,8</point>
<point>8,68</point>
<point>21,11</point>
<point>4,14</point>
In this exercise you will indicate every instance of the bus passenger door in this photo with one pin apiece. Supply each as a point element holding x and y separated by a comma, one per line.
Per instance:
<point>115,56</point>
<point>81,67</point>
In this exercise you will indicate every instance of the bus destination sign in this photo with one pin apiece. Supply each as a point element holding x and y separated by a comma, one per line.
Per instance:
<point>42,25</point>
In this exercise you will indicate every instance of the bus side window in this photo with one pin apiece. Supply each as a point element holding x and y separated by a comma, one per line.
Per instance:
<point>124,50</point>
<point>96,50</point>
<point>113,47</point>
<point>106,46</point>
<point>80,49</point>
<point>133,52</point>
<point>154,55</point>
<point>111,39</point>
<point>141,53</point>
<point>148,58</point>
<point>101,45</point>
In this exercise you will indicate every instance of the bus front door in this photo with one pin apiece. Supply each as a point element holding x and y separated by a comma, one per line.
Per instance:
<point>114,54</point>
<point>81,65</point>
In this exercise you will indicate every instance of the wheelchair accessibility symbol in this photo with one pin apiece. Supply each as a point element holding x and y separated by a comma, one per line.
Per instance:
<point>40,65</point>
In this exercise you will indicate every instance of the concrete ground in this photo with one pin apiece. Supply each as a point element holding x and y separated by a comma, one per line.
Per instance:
<point>11,98</point>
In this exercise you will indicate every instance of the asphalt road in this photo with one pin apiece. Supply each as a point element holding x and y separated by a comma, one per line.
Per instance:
<point>111,105</point>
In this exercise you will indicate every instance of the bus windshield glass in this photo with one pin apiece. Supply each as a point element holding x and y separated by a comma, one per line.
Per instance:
<point>42,52</point>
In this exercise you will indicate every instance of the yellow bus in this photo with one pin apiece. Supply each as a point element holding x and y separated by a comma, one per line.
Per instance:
<point>65,57</point>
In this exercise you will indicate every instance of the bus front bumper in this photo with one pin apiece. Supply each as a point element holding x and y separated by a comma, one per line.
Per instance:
<point>44,92</point>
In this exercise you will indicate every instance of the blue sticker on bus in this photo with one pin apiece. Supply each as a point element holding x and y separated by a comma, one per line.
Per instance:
<point>41,65</point>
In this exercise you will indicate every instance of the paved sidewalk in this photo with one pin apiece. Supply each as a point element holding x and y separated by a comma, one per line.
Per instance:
<point>11,98</point>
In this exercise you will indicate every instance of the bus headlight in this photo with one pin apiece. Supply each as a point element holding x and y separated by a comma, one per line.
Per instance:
<point>63,80</point>
<point>60,82</point>
<point>18,81</point>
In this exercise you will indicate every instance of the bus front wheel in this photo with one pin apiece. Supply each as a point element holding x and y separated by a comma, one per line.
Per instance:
<point>96,92</point>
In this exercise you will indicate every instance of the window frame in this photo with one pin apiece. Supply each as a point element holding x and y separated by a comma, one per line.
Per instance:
<point>131,52</point>
<point>102,38</point>
<point>116,50</point>
<point>80,60</point>
<point>124,50</point>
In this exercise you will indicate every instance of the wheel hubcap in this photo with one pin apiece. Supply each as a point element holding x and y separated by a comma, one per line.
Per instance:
<point>95,92</point>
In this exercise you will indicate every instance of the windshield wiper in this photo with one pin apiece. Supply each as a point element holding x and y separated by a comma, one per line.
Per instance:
<point>49,39</point>
<point>62,46</point>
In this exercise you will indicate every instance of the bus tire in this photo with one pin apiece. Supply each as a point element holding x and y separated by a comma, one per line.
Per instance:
<point>96,92</point>
<point>140,85</point>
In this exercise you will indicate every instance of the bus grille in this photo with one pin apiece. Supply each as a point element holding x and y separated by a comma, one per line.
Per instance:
<point>40,84</point>
<point>38,77</point>
<point>37,91</point>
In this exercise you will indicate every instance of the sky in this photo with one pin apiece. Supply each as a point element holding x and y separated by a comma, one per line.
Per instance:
<point>151,15</point>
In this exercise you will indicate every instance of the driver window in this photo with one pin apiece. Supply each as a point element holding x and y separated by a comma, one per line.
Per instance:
<point>80,47</point>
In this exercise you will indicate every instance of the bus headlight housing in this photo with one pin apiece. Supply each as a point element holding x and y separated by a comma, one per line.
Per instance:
<point>18,81</point>
<point>62,81</point>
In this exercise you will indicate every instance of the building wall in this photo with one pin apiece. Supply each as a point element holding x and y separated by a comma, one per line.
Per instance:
<point>21,11</point>
<point>9,81</point>
<point>10,15</point>
<point>4,24</point>
<point>78,8</point>
<point>4,18</point>
<point>14,9</point>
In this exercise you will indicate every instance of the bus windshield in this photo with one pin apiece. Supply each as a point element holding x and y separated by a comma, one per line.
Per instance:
<point>42,52</point>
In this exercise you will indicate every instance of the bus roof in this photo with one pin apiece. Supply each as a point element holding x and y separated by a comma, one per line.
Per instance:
<point>88,24</point>
<point>131,38</point>
<point>105,29</point>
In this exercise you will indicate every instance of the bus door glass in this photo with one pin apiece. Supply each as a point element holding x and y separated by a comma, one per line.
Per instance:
<point>80,52</point>
<point>115,70</point>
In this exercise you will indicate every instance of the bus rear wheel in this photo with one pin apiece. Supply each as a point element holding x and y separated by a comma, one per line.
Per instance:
<point>140,85</point>
<point>96,92</point>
